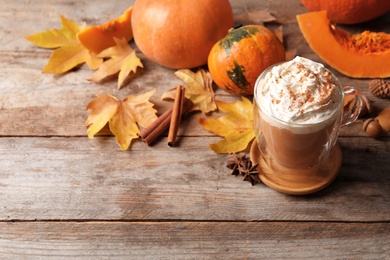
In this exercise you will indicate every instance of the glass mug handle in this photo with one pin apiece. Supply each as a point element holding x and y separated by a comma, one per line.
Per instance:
<point>350,115</point>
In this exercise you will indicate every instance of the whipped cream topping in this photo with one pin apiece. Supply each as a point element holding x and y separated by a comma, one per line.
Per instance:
<point>298,91</point>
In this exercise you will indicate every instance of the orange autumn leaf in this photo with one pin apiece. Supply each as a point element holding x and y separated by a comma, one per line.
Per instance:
<point>236,127</point>
<point>198,89</point>
<point>123,59</point>
<point>68,52</point>
<point>123,116</point>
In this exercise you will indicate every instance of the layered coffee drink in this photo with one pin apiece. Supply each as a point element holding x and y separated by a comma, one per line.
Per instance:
<point>298,106</point>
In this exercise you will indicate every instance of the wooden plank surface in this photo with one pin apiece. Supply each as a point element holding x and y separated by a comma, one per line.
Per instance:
<point>194,240</point>
<point>65,196</point>
<point>77,178</point>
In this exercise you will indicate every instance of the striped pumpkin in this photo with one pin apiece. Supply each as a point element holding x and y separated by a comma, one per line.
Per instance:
<point>238,59</point>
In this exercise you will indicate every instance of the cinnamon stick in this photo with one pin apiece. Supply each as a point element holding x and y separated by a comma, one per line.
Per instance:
<point>161,124</point>
<point>176,115</point>
<point>149,134</point>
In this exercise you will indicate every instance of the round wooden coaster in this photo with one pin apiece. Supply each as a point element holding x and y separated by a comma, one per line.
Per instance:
<point>296,182</point>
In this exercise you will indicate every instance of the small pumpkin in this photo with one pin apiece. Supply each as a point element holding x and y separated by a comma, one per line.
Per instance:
<point>100,37</point>
<point>349,11</point>
<point>364,55</point>
<point>179,34</point>
<point>238,59</point>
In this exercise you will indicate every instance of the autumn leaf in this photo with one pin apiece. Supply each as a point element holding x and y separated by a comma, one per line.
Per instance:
<point>236,126</point>
<point>122,116</point>
<point>68,52</point>
<point>199,90</point>
<point>123,60</point>
<point>257,16</point>
<point>279,33</point>
<point>290,54</point>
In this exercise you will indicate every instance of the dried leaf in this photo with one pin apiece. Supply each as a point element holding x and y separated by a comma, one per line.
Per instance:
<point>122,116</point>
<point>199,90</point>
<point>279,33</point>
<point>258,16</point>
<point>290,54</point>
<point>68,52</point>
<point>123,60</point>
<point>236,127</point>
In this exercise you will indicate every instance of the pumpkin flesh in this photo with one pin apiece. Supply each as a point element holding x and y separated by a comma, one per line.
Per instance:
<point>365,55</point>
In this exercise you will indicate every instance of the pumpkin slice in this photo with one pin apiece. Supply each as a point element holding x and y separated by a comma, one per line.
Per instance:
<point>100,37</point>
<point>364,55</point>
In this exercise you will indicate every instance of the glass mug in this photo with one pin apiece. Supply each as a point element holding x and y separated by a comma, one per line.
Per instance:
<point>301,146</point>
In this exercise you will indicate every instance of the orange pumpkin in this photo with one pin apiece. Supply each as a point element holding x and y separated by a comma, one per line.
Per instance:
<point>238,59</point>
<point>100,37</point>
<point>180,33</point>
<point>349,11</point>
<point>364,55</point>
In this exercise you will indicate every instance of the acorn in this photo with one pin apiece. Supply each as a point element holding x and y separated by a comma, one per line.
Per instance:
<point>384,119</point>
<point>379,125</point>
<point>373,128</point>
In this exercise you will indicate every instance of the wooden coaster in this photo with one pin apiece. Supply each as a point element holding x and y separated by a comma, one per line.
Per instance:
<point>296,182</point>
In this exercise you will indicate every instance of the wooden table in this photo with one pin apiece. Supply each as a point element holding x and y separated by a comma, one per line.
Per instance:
<point>63,195</point>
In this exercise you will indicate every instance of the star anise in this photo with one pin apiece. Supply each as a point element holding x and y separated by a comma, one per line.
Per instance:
<point>241,165</point>
<point>250,173</point>
<point>234,163</point>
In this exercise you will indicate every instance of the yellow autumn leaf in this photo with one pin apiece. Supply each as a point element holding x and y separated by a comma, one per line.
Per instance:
<point>123,116</point>
<point>199,90</point>
<point>236,127</point>
<point>123,59</point>
<point>68,52</point>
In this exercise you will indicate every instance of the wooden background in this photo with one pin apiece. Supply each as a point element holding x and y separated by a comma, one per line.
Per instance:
<point>64,195</point>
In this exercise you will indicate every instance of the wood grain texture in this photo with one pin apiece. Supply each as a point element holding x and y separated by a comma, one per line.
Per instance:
<point>64,196</point>
<point>77,178</point>
<point>189,240</point>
